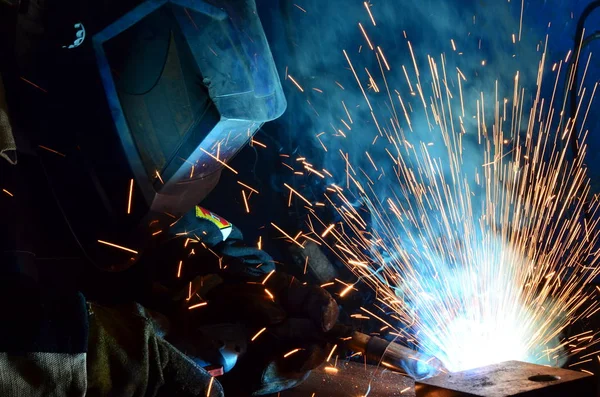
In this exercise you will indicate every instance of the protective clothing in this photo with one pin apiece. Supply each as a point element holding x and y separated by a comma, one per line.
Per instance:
<point>7,140</point>
<point>73,347</point>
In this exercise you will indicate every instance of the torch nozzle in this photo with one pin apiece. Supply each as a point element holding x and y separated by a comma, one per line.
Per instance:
<point>394,356</point>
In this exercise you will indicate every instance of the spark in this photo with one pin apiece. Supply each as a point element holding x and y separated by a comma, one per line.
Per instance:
<point>331,369</point>
<point>7,192</point>
<point>179,269</point>
<point>329,229</point>
<point>245,201</point>
<point>346,290</point>
<point>258,334</point>
<point>51,150</point>
<point>255,142</point>
<point>295,83</point>
<point>224,164</point>
<point>212,379</point>
<point>247,187</point>
<point>521,19</point>
<point>159,178</point>
<point>197,305</point>
<point>190,18</point>
<point>347,112</point>
<point>297,194</point>
<point>344,122</point>
<point>213,51</point>
<point>268,276</point>
<point>269,294</point>
<point>130,196</point>
<point>33,85</point>
<point>368,7</point>
<point>366,37</point>
<point>331,352</point>
<point>471,259</point>
<point>118,246</point>
<point>300,8</point>
<point>387,66</point>
<point>286,355</point>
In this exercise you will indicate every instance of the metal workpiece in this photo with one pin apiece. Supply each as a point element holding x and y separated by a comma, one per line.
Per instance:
<point>510,378</point>
<point>350,379</point>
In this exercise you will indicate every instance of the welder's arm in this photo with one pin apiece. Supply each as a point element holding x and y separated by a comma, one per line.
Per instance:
<point>127,356</point>
<point>7,141</point>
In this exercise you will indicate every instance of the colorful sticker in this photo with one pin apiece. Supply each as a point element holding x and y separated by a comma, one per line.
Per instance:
<point>224,226</point>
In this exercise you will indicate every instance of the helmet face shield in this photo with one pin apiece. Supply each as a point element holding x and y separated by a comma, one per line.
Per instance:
<point>188,85</point>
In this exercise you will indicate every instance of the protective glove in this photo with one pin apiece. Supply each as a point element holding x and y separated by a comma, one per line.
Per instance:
<point>282,321</point>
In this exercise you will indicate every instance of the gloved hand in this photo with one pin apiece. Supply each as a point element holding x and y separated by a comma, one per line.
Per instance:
<point>294,317</point>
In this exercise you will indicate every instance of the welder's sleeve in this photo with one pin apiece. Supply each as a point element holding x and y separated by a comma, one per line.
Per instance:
<point>7,141</point>
<point>128,357</point>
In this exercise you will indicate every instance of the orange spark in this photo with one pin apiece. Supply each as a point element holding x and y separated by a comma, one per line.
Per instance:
<point>270,294</point>
<point>366,37</point>
<point>255,142</point>
<point>286,355</point>
<point>329,229</point>
<point>220,161</point>
<point>212,379</point>
<point>369,11</point>
<point>179,269</point>
<point>387,66</point>
<point>247,187</point>
<point>258,334</point>
<point>51,150</point>
<point>346,290</point>
<point>268,276</point>
<point>130,196</point>
<point>245,201</point>
<point>297,194</point>
<point>197,305</point>
<point>295,83</point>
<point>159,178</point>
<point>34,85</point>
<point>331,352</point>
<point>285,234</point>
<point>118,246</point>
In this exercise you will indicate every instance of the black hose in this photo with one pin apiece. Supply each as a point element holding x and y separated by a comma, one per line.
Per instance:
<point>580,43</point>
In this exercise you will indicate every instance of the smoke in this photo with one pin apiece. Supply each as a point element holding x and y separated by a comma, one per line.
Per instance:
<point>415,126</point>
<point>315,42</point>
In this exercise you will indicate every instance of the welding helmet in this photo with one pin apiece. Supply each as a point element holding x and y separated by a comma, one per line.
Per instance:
<point>184,85</point>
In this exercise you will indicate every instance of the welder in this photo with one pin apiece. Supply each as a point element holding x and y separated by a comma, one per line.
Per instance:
<point>143,327</point>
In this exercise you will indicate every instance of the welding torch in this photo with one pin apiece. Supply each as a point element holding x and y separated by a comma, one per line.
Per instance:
<point>388,354</point>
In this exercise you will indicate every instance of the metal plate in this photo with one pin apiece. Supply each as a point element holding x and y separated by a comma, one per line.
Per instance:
<point>511,378</point>
<point>354,380</point>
